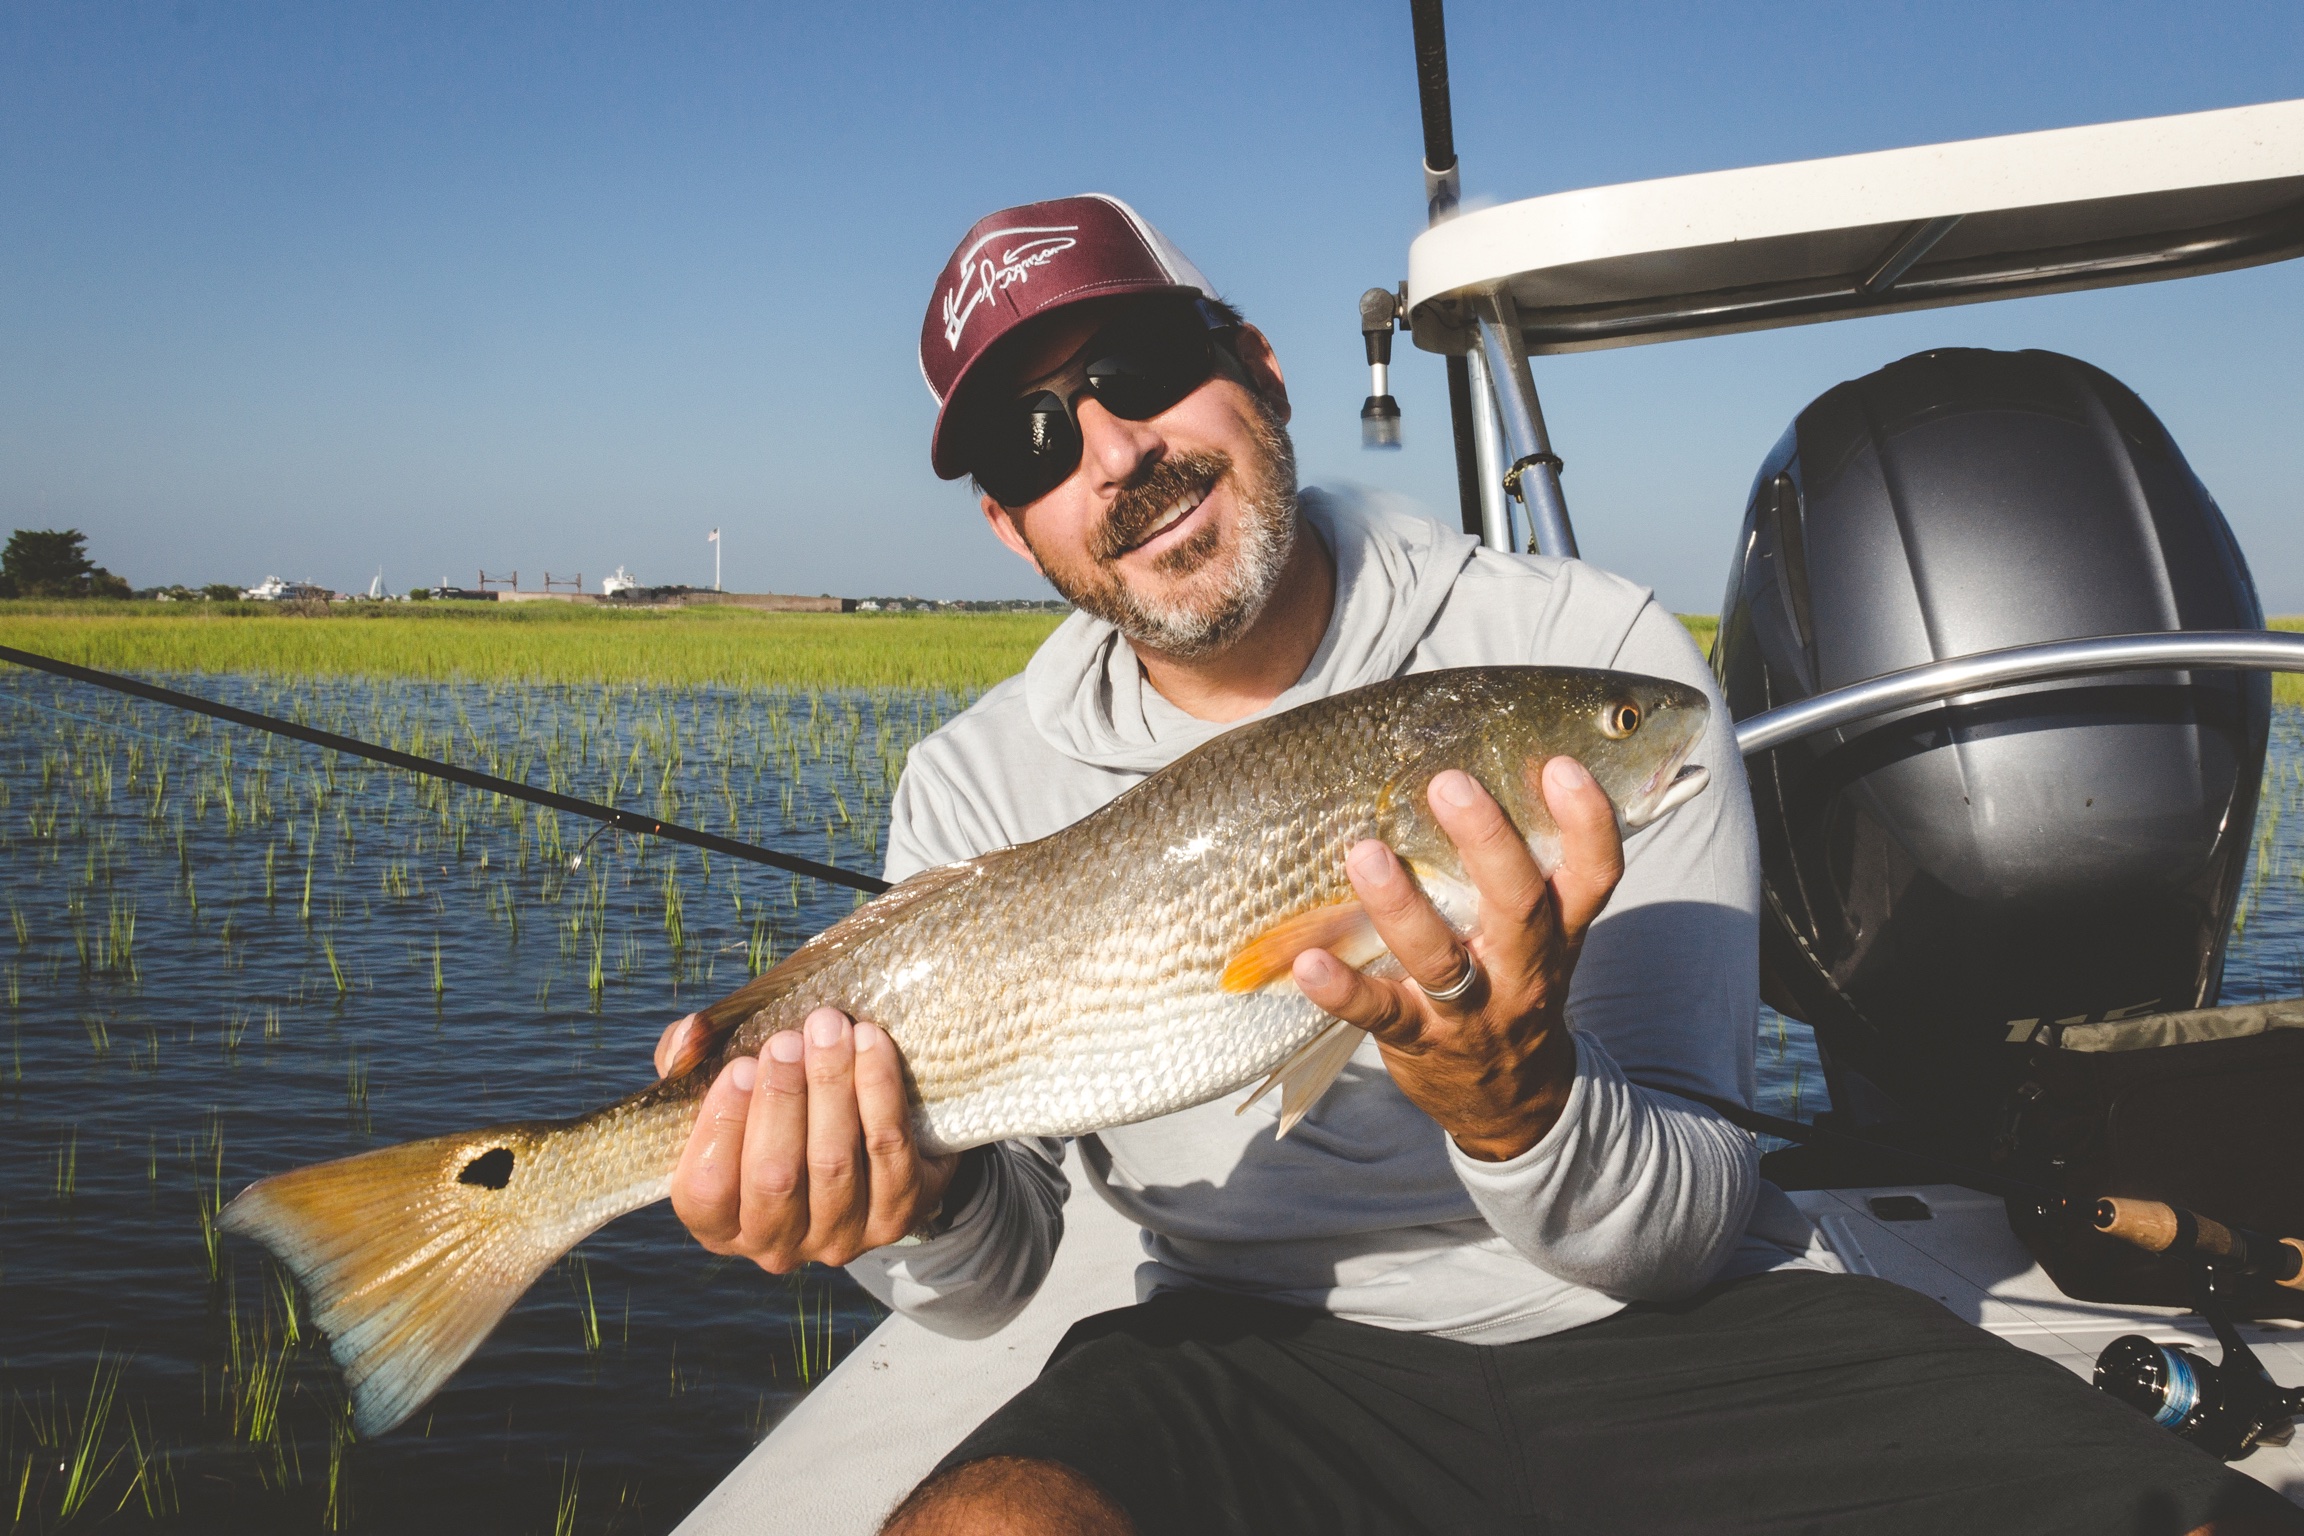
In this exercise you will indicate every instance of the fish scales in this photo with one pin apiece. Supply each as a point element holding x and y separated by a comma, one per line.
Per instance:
<point>1133,964</point>
<point>1074,985</point>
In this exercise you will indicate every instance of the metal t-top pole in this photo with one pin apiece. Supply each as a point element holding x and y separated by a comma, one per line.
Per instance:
<point>1534,475</point>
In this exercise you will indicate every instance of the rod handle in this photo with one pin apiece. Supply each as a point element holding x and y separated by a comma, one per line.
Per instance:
<point>2157,1228</point>
<point>2146,1224</point>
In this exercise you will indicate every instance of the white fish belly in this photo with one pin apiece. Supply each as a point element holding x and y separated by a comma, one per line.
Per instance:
<point>1117,1068</point>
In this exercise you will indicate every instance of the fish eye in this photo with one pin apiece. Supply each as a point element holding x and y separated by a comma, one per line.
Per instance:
<point>1619,719</point>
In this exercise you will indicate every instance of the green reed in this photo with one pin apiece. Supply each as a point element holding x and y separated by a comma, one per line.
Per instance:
<point>60,1455</point>
<point>67,1180</point>
<point>564,1509</point>
<point>541,642</point>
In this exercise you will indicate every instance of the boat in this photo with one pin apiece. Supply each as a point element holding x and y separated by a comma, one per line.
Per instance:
<point>273,590</point>
<point>1769,246</point>
<point>620,582</point>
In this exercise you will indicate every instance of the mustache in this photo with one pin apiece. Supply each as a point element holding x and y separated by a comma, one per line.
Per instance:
<point>1186,477</point>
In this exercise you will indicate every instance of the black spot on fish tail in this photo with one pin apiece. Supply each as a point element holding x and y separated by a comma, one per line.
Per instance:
<point>492,1169</point>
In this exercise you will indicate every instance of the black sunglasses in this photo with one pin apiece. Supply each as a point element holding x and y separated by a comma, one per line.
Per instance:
<point>1136,367</point>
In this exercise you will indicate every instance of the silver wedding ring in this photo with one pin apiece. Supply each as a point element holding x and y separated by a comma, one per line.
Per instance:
<point>1458,987</point>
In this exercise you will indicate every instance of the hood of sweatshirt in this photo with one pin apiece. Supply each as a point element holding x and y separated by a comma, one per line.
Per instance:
<point>1394,568</point>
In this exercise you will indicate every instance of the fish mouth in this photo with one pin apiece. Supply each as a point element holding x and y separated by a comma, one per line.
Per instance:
<point>1675,782</point>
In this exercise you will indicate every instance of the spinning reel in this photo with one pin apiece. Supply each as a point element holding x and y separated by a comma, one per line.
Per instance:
<point>2229,1408</point>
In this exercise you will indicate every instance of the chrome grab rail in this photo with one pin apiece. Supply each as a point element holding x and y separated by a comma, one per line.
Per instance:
<point>2211,649</point>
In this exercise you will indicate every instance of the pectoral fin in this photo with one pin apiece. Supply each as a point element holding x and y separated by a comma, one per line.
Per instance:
<point>1303,1077</point>
<point>1343,929</point>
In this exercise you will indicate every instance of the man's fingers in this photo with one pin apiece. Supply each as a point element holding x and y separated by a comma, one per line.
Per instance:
<point>1591,849</point>
<point>1418,936</point>
<point>705,1191</point>
<point>1513,906</point>
<point>891,1159</point>
<point>837,1197</point>
<point>669,1043</point>
<point>1380,1007</point>
<point>775,1174</point>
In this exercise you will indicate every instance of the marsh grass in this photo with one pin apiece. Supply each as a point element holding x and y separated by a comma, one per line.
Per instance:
<point>578,1270</point>
<point>537,642</point>
<point>69,1456</point>
<point>811,1325</point>
<point>1703,628</point>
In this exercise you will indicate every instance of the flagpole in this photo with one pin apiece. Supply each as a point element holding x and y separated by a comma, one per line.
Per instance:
<point>715,559</point>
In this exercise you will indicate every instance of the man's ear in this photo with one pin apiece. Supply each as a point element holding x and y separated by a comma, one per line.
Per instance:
<point>1263,366</point>
<point>1005,529</point>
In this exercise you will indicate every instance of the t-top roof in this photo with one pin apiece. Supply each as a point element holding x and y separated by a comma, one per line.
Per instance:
<point>1865,234</point>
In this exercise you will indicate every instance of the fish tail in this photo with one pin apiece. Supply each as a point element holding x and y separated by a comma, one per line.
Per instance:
<point>409,1255</point>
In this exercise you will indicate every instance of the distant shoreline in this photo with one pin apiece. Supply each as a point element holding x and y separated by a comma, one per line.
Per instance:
<point>536,642</point>
<point>582,643</point>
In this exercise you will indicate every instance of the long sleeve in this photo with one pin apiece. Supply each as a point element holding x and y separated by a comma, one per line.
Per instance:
<point>971,1278</point>
<point>1636,1192</point>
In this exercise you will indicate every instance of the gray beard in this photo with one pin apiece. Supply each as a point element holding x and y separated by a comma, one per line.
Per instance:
<point>1203,620</point>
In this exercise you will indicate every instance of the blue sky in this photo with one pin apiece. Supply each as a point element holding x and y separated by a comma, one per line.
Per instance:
<point>313,289</point>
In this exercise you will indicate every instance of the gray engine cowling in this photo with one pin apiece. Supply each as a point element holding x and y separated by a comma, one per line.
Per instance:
<point>1943,882</point>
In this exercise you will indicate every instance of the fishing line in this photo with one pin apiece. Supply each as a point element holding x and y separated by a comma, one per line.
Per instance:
<point>625,821</point>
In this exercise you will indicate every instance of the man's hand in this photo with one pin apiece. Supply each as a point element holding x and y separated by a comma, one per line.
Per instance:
<point>1494,1066</point>
<point>805,1151</point>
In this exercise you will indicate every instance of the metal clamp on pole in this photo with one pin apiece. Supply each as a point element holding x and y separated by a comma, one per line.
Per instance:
<point>1512,475</point>
<point>1524,435</point>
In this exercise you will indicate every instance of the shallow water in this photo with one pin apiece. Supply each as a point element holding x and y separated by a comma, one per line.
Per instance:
<point>227,955</point>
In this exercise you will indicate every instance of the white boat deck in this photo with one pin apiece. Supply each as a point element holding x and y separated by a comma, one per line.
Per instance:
<point>878,1423</point>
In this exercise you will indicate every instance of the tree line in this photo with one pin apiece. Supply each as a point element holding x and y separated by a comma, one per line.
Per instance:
<point>50,562</point>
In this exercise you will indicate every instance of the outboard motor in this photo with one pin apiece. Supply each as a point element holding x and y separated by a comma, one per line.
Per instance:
<point>1944,883</point>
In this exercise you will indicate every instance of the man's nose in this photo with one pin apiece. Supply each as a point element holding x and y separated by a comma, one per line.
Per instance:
<point>1115,452</point>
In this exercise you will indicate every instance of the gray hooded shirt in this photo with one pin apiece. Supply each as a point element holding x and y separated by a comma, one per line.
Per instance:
<point>1368,1210</point>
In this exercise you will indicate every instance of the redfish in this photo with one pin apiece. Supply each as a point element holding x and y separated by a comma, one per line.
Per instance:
<point>1134,964</point>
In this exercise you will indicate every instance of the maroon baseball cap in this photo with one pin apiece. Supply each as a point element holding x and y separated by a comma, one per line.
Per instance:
<point>1023,262</point>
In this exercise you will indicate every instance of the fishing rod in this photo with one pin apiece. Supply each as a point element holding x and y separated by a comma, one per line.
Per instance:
<point>471,778</point>
<point>1443,188</point>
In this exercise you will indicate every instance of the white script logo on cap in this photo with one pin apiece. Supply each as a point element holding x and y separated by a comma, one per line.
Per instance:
<point>980,280</point>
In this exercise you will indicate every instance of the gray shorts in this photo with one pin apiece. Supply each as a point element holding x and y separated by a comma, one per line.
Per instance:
<point>1783,1403</point>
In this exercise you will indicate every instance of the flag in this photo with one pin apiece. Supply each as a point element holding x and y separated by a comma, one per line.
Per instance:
<point>713,537</point>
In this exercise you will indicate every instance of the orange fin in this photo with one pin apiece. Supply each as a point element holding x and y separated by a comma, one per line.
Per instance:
<point>1303,1077</point>
<point>699,1043</point>
<point>1342,929</point>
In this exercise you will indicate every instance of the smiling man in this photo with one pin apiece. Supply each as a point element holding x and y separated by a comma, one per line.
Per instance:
<point>1503,1276</point>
